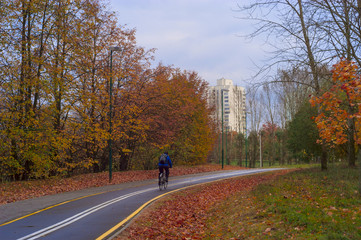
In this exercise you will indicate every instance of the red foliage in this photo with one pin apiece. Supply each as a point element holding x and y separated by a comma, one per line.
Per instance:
<point>269,128</point>
<point>340,105</point>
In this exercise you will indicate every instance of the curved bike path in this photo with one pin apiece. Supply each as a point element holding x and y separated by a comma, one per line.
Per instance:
<point>95,213</point>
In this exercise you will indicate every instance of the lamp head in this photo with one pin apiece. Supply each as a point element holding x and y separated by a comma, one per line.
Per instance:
<point>114,48</point>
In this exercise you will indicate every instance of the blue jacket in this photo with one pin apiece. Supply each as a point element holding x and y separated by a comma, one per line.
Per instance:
<point>168,163</point>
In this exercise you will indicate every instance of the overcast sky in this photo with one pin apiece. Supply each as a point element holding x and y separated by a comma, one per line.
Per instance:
<point>199,35</point>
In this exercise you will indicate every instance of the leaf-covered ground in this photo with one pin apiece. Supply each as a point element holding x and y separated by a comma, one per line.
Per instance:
<point>16,191</point>
<point>184,215</point>
<point>304,204</point>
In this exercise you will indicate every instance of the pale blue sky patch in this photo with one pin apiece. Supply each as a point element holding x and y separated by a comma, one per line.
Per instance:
<point>199,35</point>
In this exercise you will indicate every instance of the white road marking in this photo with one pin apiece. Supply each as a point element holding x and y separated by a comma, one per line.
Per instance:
<point>79,216</point>
<point>85,213</point>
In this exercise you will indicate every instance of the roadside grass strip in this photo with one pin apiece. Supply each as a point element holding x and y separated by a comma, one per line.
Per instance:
<point>306,204</point>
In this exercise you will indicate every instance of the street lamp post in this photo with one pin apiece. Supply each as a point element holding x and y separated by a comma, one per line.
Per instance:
<point>222,125</point>
<point>260,149</point>
<point>246,137</point>
<point>220,149</point>
<point>225,155</point>
<point>110,109</point>
<point>222,129</point>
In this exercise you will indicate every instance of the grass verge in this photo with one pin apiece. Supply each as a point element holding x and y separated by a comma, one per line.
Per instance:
<point>306,204</point>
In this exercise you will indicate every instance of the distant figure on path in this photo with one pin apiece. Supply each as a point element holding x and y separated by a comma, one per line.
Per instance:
<point>164,164</point>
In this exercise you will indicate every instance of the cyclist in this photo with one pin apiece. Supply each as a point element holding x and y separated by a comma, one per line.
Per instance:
<point>164,164</point>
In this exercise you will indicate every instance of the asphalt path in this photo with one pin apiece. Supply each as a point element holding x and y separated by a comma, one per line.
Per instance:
<point>96,213</point>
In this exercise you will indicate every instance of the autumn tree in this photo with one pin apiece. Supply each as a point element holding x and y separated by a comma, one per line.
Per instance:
<point>88,121</point>
<point>270,142</point>
<point>341,21</point>
<point>178,116</point>
<point>55,87</point>
<point>339,106</point>
<point>198,135</point>
<point>54,83</point>
<point>130,101</point>
<point>26,137</point>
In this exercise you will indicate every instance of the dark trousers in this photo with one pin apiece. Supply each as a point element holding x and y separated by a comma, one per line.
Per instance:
<point>166,171</point>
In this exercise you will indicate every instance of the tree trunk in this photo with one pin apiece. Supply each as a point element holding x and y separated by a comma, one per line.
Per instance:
<point>312,64</point>
<point>324,158</point>
<point>359,165</point>
<point>351,143</point>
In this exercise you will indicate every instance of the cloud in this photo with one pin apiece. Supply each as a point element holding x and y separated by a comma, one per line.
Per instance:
<point>199,35</point>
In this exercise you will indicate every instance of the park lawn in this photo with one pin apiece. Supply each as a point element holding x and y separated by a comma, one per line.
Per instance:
<point>305,204</point>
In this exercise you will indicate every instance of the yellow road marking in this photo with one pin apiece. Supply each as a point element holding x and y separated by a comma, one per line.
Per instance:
<point>122,222</point>
<point>44,209</point>
<point>110,231</point>
<point>113,229</point>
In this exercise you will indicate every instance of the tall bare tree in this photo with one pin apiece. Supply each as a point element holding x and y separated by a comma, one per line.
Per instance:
<point>341,21</point>
<point>297,41</point>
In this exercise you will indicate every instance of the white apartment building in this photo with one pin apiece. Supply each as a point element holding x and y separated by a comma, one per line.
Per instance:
<point>234,105</point>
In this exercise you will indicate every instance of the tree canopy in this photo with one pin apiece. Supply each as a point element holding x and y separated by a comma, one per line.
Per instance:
<point>55,87</point>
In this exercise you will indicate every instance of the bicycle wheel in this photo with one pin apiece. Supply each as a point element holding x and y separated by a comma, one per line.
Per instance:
<point>161,182</point>
<point>165,184</point>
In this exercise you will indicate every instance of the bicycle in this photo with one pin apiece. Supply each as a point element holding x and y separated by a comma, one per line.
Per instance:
<point>162,181</point>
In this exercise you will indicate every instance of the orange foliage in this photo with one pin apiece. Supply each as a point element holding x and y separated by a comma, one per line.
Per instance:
<point>339,105</point>
<point>176,113</point>
<point>55,102</point>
